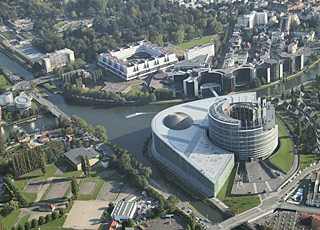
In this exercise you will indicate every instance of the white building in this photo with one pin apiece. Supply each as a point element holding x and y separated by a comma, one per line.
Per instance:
<point>124,210</point>
<point>6,98</point>
<point>253,19</point>
<point>196,51</point>
<point>292,48</point>
<point>137,60</point>
<point>57,59</point>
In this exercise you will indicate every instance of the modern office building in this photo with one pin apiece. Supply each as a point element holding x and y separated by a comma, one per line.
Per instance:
<point>253,19</point>
<point>57,59</point>
<point>137,60</point>
<point>200,140</point>
<point>22,102</point>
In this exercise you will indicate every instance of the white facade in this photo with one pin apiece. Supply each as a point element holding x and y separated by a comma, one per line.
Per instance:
<point>196,51</point>
<point>6,98</point>
<point>117,61</point>
<point>57,59</point>
<point>22,102</point>
<point>253,19</point>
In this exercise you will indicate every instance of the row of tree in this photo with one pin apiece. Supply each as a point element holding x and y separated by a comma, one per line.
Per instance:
<point>70,92</point>
<point>29,160</point>
<point>15,191</point>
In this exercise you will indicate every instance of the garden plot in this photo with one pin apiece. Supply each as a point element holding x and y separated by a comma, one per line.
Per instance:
<point>88,187</point>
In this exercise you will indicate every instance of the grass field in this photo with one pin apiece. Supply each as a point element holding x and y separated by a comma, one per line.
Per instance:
<point>24,220</point>
<point>187,45</point>
<point>307,159</point>
<point>284,157</point>
<point>3,82</point>
<point>96,191</point>
<point>10,220</point>
<point>237,204</point>
<point>31,197</point>
<point>51,88</point>
<point>8,35</point>
<point>53,225</point>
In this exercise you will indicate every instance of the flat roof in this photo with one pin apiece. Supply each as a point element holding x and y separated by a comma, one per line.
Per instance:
<point>193,143</point>
<point>123,208</point>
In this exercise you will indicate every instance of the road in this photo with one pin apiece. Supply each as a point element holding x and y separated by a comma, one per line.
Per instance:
<point>268,204</point>
<point>52,108</point>
<point>37,81</point>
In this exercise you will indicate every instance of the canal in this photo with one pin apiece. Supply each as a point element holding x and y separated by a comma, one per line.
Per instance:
<point>129,133</point>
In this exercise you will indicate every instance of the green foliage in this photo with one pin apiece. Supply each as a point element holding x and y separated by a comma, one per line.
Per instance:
<point>28,160</point>
<point>83,165</point>
<point>10,207</point>
<point>101,133</point>
<point>15,191</point>
<point>34,223</point>
<point>41,220</point>
<point>54,215</point>
<point>74,187</point>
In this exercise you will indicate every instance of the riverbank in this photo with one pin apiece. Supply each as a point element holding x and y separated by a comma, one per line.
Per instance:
<point>290,77</point>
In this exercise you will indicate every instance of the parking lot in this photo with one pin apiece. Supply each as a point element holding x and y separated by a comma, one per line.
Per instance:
<point>281,220</point>
<point>58,190</point>
<point>87,187</point>
<point>85,214</point>
<point>109,191</point>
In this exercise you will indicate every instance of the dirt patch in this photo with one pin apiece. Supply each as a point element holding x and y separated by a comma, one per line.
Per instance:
<point>34,186</point>
<point>85,214</point>
<point>87,187</point>
<point>109,191</point>
<point>58,189</point>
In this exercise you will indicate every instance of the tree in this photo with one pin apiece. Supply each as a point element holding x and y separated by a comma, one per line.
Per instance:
<point>83,165</point>
<point>27,226</point>
<point>43,164</point>
<point>69,130</point>
<point>2,146</point>
<point>41,220</point>
<point>101,133</point>
<point>74,187</point>
<point>34,223</point>
<point>55,215</point>
<point>88,167</point>
<point>48,218</point>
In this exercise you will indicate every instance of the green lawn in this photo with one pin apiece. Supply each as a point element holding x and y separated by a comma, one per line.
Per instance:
<point>8,35</point>
<point>198,41</point>
<point>96,191</point>
<point>34,105</point>
<point>307,159</point>
<point>3,82</point>
<point>237,204</point>
<point>10,220</point>
<point>284,157</point>
<point>51,88</point>
<point>31,197</point>
<point>24,220</point>
<point>56,224</point>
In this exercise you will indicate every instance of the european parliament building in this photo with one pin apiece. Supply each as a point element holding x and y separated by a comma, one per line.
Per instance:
<point>200,141</point>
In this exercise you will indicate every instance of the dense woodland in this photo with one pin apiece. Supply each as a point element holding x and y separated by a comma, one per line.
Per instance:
<point>116,23</point>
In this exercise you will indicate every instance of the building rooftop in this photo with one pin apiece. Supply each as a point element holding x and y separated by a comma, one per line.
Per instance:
<point>74,155</point>
<point>123,208</point>
<point>192,142</point>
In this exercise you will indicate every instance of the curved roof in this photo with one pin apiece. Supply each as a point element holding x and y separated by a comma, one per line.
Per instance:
<point>178,121</point>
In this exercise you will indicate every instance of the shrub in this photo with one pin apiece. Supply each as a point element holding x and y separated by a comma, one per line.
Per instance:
<point>41,220</point>
<point>62,212</point>
<point>34,223</point>
<point>27,226</point>
<point>48,218</point>
<point>55,215</point>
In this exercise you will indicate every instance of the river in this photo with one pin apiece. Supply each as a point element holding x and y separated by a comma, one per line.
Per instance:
<point>132,132</point>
